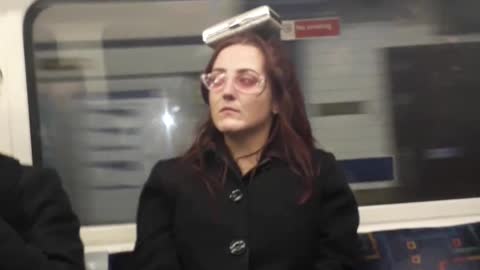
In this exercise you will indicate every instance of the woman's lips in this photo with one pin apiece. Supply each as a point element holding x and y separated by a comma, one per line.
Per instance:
<point>228,109</point>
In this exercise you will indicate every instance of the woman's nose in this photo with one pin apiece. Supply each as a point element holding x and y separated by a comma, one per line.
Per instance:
<point>229,88</point>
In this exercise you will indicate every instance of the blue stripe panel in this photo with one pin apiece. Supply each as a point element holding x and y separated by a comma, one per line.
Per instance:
<point>120,165</point>
<point>368,169</point>
<point>115,112</point>
<point>125,94</point>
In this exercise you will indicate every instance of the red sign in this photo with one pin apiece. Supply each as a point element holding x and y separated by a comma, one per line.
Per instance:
<point>317,28</point>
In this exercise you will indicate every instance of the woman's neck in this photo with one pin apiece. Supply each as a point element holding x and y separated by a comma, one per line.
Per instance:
<point>246,148</point>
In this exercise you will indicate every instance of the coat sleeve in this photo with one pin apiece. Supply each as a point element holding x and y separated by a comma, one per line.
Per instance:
<point>155,248</point>
<point>51,240</point>
<point>338,245</point>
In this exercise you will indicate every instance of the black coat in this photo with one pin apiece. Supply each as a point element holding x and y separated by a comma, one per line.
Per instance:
<point>38,229</point>
<point>259,226</point>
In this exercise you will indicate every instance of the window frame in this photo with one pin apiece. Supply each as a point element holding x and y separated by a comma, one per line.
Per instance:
<point>121,237</point>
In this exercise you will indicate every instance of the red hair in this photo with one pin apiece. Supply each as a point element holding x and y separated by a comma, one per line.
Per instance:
<point>290,136</point>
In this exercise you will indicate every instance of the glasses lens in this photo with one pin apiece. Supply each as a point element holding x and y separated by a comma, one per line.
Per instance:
<point>214,81</point>
<point>247,82</point>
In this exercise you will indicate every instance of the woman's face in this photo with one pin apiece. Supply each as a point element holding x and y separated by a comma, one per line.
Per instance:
<point>240,98</point>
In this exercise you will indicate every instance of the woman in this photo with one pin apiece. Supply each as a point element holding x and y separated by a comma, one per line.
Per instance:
<point>251,192</point>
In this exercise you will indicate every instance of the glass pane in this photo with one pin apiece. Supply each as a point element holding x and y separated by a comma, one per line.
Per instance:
<point>389,86</point>
<point>115,95</point>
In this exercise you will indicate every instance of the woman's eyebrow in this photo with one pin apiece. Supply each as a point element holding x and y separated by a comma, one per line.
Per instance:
<point>219,69</point>
<point>243,70</point>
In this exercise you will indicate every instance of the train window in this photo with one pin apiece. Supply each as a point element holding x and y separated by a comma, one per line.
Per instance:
<point>390,88</point>
<point>115,88</point>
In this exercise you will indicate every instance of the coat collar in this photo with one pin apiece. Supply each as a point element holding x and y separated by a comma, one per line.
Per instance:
<point>219,154</point>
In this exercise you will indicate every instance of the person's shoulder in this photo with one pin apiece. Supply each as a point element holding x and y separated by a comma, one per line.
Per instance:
<point>10,168</point>
<point>10,174</point>
<point>25,180</point>
<point>7,161</point>
<point>330,170</point>
<point>323,157</point>
<point>168,171</point>
<point>167,166</point>
<point>40,176</point>
<point>43,195</point>
<point>41,183</point>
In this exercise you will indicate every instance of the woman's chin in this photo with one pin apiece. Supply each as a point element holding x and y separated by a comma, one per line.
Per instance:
<point>230,126</point>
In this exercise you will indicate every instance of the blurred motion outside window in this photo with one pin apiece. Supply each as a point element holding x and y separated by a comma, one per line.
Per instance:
<point>391,89</point>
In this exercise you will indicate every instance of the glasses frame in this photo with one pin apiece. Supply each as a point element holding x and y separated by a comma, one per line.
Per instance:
<point>261,84</point>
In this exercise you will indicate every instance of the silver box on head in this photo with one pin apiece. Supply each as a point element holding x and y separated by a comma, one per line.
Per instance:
<point>262,20</point>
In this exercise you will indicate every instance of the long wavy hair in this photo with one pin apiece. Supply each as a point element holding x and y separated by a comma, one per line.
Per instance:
<point>290,136</point>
